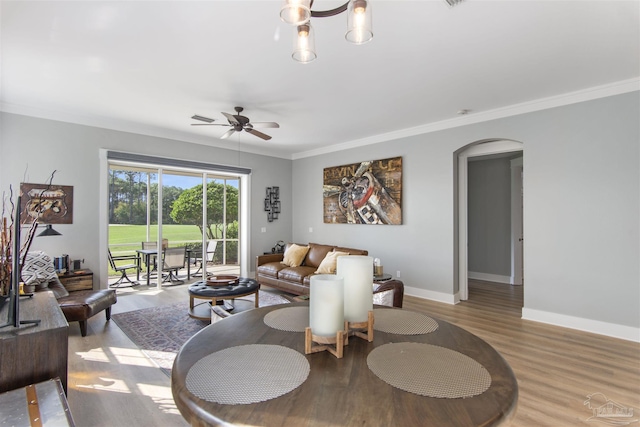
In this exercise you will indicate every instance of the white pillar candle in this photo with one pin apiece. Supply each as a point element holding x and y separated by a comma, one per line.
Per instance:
<point>326,305</point>
<point>357,272</point>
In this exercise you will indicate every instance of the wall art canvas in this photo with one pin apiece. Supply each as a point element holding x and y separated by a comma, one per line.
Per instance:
<point>49,204</point>
<point>368,192</point>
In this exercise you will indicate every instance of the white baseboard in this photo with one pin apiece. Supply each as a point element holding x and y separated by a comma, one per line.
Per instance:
<point>613,330</point>
<point>431,295</point>
<point>487,277</point>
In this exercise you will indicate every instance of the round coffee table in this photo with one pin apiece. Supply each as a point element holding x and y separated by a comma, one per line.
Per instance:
<point>217,294</point>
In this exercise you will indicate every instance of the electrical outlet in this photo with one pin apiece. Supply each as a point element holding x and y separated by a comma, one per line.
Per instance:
<point>310,229</point>
<point>263,229</point>
<point>398,274</point>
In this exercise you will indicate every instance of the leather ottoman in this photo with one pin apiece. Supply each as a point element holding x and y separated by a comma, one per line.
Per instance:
<point>217,294</point>
<point>81,305</point>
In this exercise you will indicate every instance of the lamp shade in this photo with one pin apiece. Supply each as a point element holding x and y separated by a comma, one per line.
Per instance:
<point>304,45</point>
<point>49,231</point>
<point>326,304</point>
<point>359,22</point>
<point>295,12</point>
<point>357,272</point>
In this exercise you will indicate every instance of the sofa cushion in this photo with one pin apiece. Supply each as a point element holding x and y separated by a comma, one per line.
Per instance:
<point>294,255</point>
<point>352,251</point>
<point>295,274</point>
<point>316,254</point>
<point>328,264</point>
<point>270,269</point>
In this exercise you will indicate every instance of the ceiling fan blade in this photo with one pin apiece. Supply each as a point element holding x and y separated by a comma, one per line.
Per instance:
<point>228,133</point>
<point>202,118</point>
<point>265,125</point>
<point>258,134</point>
<point>231,118</point>
<point>210,124</point>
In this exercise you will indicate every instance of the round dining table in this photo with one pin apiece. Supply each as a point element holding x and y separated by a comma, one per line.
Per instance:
<point>338,392</point>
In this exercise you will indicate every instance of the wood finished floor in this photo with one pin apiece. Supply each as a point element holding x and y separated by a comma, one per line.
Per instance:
<point>111,383</point>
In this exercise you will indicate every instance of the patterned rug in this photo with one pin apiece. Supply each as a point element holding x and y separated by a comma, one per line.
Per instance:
<point>160,331</point>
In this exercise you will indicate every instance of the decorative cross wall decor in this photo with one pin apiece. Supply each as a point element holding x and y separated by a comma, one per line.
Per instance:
<point>272,203</point>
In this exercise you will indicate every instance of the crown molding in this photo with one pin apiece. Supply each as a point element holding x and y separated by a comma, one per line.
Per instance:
<point>616,88</point>
<point>597,92</point>
<point>135,128</point>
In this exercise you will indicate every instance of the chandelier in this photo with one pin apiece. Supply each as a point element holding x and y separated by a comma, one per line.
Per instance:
<point>299,14</point>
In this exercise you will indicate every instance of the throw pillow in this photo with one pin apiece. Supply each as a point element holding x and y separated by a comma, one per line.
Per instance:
<point>383,298</point>
<point>38,270</point>
<point>294,255</point>
<point>328,264</point>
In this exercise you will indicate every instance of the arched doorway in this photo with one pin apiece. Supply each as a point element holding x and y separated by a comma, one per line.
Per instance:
<point>475,149</point>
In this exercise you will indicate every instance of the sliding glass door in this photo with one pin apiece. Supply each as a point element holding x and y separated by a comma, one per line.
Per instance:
<point>147,204</point>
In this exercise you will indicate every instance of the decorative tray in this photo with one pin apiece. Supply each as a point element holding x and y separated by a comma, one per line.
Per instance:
<point>222,280</point>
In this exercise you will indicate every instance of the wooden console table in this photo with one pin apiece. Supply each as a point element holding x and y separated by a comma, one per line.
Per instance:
<point>80,280</point>
<point>34,353</point>
<point>343,391</point>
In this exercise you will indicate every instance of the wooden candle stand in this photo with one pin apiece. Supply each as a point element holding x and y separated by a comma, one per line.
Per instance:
<point>358,328</point>
<point>326,343</point>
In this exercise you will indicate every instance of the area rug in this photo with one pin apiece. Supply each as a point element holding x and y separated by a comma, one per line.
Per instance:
<point>160,331</point>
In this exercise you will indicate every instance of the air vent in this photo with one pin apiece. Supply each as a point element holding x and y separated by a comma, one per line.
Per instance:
<point>202,119</point>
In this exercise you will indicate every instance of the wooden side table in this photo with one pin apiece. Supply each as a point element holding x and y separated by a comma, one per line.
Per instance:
<point>80,280</point>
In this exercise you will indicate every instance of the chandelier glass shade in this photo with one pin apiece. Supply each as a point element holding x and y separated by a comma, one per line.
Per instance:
<point>359,22</point>
<point>295,12</point>
<point>299,13</point>
<point>304,45</point>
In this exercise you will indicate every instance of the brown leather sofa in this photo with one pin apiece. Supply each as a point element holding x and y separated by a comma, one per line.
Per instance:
<point>296,280</point>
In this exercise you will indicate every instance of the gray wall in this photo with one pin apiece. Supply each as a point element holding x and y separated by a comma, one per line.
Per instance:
<point>489,216</point>
<point>581,207</point>
<point>31,148</point>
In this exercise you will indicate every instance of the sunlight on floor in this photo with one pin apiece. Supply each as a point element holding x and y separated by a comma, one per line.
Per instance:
<point>161,396</point>
<point>94,355</point>
<point>131,356</point>
<point>109,384</point>
<point>125,356</point>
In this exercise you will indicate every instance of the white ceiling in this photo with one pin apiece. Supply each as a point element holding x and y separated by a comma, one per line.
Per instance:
<point>148,66</point>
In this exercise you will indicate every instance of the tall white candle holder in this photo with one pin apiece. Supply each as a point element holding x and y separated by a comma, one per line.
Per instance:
<point>357,272</point>
<point>327,326</point>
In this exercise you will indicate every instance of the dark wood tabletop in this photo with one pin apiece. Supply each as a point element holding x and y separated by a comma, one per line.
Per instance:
<point>344,392</point>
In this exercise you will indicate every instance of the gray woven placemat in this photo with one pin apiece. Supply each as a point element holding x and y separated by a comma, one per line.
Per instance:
<point>429,370</point>
<point>290,319</point>
<point>247,374</point>
<point>402,322</point>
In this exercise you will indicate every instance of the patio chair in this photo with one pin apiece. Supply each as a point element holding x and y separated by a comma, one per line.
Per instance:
<point>122,269</point>
<point>153,259</point>
<point>173,260</point>
<point>197,256</point>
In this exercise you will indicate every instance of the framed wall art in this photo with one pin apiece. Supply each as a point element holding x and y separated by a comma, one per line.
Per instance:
<point>272,203</point>
<point>368,192</point>
<point>48,204</point>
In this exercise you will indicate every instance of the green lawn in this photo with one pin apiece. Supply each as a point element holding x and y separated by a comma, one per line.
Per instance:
<point>125,239</point>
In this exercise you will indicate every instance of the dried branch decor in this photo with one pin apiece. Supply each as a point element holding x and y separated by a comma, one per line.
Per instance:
<point>6,238</point>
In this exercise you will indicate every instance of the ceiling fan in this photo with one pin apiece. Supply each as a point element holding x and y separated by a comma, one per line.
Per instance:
<point>238,123</point>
